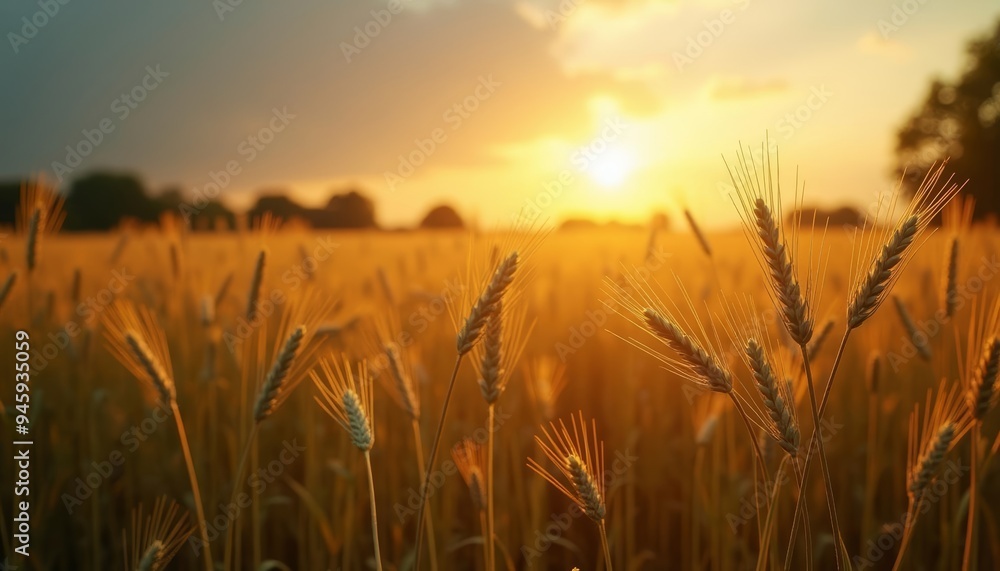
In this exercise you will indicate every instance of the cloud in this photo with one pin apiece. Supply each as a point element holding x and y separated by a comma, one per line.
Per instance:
<point>630,40</point>
<point>729,88</point>
<point>873,43</point>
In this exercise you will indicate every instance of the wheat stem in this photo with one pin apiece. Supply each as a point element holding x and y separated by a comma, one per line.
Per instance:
<point>809,449</point>
<point>969,563</point>
<point>237,487</point>
<point>431,541</point>
<point>490,530</point>
<point>604,545</point>
<point>195,490</point>
<point>371,498</point>
<point>433,457</point>
<point>818,437</point>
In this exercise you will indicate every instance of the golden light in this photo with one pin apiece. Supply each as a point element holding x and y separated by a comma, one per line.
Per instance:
<point>612,168</point>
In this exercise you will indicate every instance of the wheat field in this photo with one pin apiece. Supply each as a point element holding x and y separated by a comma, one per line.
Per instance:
<point>272,390</point>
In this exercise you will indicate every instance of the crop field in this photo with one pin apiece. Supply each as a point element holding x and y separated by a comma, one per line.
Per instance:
<point>630,399</point>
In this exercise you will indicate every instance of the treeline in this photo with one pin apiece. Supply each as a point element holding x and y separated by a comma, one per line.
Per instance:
<point>103,201</point>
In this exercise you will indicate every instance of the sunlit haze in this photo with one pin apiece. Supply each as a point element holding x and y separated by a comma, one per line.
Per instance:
<point>609,110</point>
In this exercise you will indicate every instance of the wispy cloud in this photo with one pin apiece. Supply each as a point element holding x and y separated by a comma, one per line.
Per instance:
<point>728,88</point>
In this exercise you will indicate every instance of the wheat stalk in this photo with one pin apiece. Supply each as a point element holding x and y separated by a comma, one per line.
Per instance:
<point>347,399</point>
<point>702,239</point>
<point>932,435</point>
<point>982,391</point>
<point>8,285</point>
<point>913,334</point>
<point>138,342</point>
<point>708,370</point>
<point>874,373</point>
<point>783,423</point>
<point>470,458</point>
<point>486,306</point>
<point>578,457</point>
<point>816,345</point>
<point>872,287</point>
<point>951,279</point>
<point>271,392</point>
<point>403,386</point>
<point>156,539</point>
<point>255,284</point>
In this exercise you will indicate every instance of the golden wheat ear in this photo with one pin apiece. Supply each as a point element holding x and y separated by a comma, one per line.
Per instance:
<point>981,368</point>
<point>886,246</point>
<point>347,398</point>
<point>578,459</point>
<point>470,458</point>
<point>137,341</point>
<point>758,200</point>
<point>40,213</point>
<point>944,421</point>
<point>694,352</point>
<point>775,411</point>
<point>153,541</point>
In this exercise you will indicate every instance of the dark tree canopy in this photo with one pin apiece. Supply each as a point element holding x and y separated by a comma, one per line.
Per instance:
<point>349,210</point>
<point>100,201</point>
<point>961,120</point>
<point>442,216</point>
<point>10,196</point>
<point>278,204</point>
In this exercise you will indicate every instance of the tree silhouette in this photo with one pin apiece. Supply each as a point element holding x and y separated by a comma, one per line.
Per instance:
<point>100,201</point>
<point>960,120</point>
<point>348,210</point>
<point>278,204</point>
<point>442,216</point>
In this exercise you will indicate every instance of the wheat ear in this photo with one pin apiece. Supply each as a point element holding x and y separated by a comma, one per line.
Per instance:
<point>951,279</point>
<point>913,334</point>
<point>486,305</point>
<point>872,290</point>
<point>153,368</point>
<point>274,382</point>
<point>711,372</point>
<point>702,240</point>
<point>794,308</point>
<point>8,285</point>
<point>785,427</point>
<point>982,391</point>
<point>255,284</point>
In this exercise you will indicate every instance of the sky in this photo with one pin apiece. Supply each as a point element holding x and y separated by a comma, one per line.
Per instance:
<point>608,109</point>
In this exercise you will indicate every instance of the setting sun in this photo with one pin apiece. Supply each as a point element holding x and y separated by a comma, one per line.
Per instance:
<point>612,168</point>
